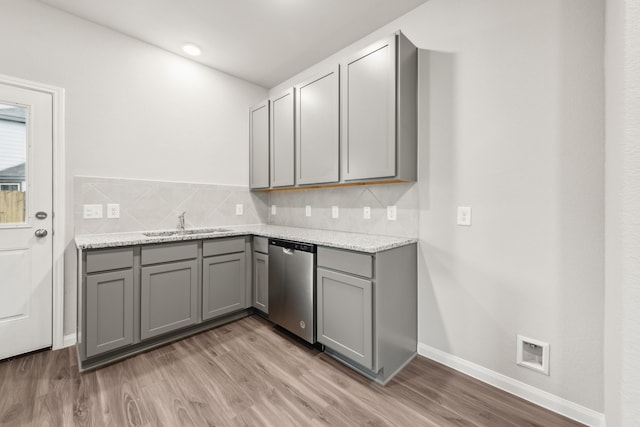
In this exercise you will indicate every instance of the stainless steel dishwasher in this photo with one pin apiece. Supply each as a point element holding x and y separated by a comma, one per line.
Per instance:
<point>292,287</point>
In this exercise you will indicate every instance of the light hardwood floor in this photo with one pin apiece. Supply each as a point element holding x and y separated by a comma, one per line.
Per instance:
<point>248,374</point>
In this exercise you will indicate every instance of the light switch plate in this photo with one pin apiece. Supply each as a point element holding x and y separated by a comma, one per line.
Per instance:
<point>335,212</point>
<point>92,211</point>
<point>113,210</point>
<point>366,212</point>
<point>464,216</point>
<point>239,209</point>
<point>392,213</point>
<point>273,209</point>
<point>307,210</point>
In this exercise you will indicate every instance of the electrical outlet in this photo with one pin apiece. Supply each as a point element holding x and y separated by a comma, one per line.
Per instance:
<point>92,211</point>
<point>239,209</point>
<point>392,213</point>
<point>335,212</point>
<point>366,212</point>
<point>464,216</point>
<point>307,210</point>
<point>113,210</point>
<point>273,209</point>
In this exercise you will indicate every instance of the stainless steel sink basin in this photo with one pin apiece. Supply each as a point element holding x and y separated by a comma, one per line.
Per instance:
<point>204,230</point>
<point>161,233</point>
<point>187,232</point>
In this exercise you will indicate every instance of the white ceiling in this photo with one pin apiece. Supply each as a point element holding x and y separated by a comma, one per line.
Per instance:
<point>262,41</point>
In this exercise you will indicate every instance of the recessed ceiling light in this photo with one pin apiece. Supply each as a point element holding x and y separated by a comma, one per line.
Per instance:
<point>191,49</point>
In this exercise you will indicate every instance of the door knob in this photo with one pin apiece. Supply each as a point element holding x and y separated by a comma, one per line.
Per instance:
<point>41,232</point>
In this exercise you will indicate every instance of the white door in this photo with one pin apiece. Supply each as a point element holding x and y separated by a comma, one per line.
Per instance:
<point>25,220</point>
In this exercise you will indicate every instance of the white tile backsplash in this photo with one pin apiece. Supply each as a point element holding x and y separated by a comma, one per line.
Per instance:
<point>351,201</point>
<point>154,205</point>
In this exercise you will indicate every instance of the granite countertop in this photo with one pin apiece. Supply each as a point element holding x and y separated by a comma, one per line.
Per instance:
<point>338,239</point>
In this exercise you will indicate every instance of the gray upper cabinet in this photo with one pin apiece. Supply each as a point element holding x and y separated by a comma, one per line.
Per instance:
<point>282,139</point>
<point>379,112</point>
<point>259,146</point>
<point>351,123</point>
<point>223,277</point>
<point>168,288</point>
<point>317,129</point>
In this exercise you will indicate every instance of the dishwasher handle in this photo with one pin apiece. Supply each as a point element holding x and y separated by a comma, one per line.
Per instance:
<point>288,251</point>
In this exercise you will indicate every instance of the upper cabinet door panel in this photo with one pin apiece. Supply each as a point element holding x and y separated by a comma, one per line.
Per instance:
<point>369,112</point>
<point>317,129</point>
<point>282,139</point>
<point>259,146</point>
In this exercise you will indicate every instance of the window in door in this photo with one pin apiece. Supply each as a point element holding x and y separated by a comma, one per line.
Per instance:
<point>13,154</point>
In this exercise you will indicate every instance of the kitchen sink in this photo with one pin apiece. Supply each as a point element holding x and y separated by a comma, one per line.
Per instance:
<point>187,232</point>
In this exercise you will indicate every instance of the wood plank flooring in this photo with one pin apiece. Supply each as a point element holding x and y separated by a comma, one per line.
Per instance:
<point>248,374</point>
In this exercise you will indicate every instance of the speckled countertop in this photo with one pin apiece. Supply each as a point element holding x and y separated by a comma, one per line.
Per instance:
<point>338,239</point>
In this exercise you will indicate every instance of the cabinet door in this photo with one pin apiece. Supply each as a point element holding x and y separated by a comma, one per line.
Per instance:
<point>344,315</point>
<point>261,282</point>
<point>369,113</point>
<point>223,285</point>
<point>282,139</point>
<point>259,146</point>
<point>317,129</point>
<point>109,311</point>
<point>168,297</point>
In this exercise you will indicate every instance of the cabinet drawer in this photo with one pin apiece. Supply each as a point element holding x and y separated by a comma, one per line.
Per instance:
<point>109,259</point>
<point>261,244</point>
<point>347,261</point>
<point>222,246</point>
<point>169,252</point>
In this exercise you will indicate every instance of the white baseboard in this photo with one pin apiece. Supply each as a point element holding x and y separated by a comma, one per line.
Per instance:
<point>539,397</point>
<point>69,340</point>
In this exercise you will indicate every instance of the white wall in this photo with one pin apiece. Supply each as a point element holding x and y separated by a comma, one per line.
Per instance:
<point>516,132</point>
<point>622,332</point>
<point>132,110</point>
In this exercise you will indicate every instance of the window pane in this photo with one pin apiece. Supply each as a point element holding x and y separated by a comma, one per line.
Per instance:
<point>13,157</point>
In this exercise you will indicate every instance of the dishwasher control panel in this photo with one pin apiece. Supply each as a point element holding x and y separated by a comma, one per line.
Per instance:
<point>304,247</point>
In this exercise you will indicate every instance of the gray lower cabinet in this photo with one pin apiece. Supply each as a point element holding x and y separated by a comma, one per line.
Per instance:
<point>106,313</point>
<point>261,282</point>
<point>168,297</point>
<point>109,311</point>
<point>367,308</point>
<point>168,288</point>
<point>344,316</point>
<point>223,284</point>
<point>260,274</point>
<point>134,298</point>
<point>224,277</point>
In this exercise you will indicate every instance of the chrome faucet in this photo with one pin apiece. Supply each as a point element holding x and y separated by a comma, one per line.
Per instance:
<point>181,221</point>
